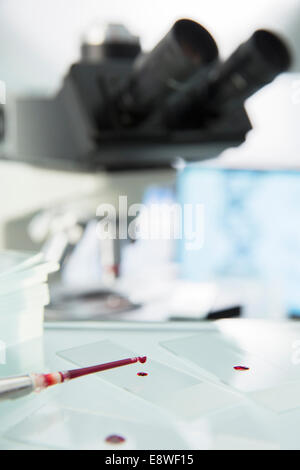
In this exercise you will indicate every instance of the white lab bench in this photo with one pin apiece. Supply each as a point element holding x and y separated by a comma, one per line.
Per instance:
<point>206,412</point>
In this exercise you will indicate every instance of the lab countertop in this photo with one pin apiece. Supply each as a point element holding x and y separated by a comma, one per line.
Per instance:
<point>192,397</point>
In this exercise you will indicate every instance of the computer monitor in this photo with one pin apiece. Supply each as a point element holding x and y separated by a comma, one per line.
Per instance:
<point>251,227</point>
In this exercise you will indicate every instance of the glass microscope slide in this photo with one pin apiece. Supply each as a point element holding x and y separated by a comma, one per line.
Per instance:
<point>173,390</point>
<point>227,362</point>
<point>57,427</point>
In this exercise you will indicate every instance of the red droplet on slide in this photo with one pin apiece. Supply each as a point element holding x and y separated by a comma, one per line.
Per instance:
<point>115,439</point>
<point>142,374</point>
<point>143,359</point>
<point>241,368</point>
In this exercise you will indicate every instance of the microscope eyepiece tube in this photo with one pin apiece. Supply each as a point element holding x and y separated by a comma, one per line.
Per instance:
<point>253,65</point>
<point>272,49</point>
<point>186,47</point>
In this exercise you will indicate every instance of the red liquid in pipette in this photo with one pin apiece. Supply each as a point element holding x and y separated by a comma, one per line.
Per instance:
<point>43,381</point>
<point>74,374</point>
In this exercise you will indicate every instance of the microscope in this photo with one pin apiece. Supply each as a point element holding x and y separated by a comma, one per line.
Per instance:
<point>121,110</point>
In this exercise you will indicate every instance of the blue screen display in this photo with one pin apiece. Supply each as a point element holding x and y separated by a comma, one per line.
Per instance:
<point>251,227</point>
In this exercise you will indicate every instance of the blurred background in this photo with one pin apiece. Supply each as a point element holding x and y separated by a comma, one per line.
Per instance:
<point>242,188</point>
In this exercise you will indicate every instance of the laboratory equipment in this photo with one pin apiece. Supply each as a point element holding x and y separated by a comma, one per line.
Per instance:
<point>111,113</point>
<point>17,387</point>
<point>202,100</point>
<point>84,413</point>
<point>187,48</point>
<point>24,294</point>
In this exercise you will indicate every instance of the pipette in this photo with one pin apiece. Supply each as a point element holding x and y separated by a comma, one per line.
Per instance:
<point>17,387</point>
